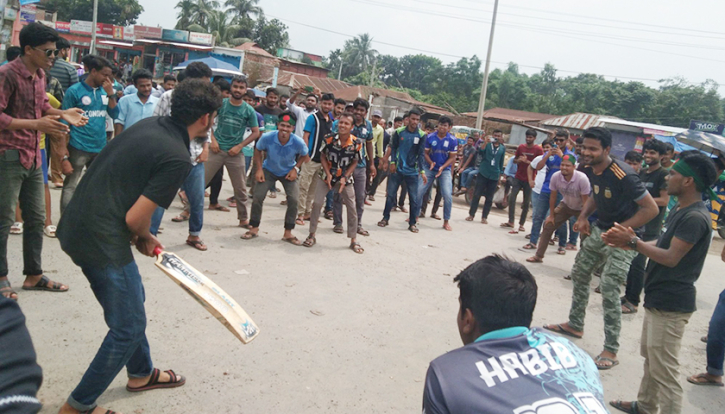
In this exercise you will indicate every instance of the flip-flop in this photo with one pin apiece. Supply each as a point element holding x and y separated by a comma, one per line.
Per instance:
<point>695,380</point>
<point>571,247</point>
<point>361,231</point>
<point>293,240</point>
<point>309,241</point>
<point>507,225</point>
<point>628,308</point>
<point>561,251</point>
<point>618,405</point>
<point>560,330</point>
<point>16,228</point>
<point>529,246</point>
<point>180,218</point>
<point>382,223</point>
<point>469,218</point>
<point>299,221</point>
<point>535,259</point>
<point>5,288</point>
<point>50,231</point>
<point>522,228</point>
<point>435,216</point>
<point>355,247</point>
<point>197,244</point>
<point>605,367</point>
<point>337,229</point>
<point>249,235</point>
<point>413,228</point>
<point>219,207</point>
<point>484,221</point>
<point>154,384</point>
<point>46,285</point>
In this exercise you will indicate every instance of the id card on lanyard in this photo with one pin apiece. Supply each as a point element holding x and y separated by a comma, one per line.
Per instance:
<point>495,153</point>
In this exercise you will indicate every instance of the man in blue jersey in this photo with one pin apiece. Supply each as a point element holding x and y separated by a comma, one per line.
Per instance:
<point>440,153</point>
<point>505,366</point>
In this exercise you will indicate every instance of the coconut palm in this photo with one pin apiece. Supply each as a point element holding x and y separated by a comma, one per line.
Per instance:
<point>203,10</point>
<point>359,52</point>
<point>222,28</point>
<point>243,9</point>
<point>187,8</point>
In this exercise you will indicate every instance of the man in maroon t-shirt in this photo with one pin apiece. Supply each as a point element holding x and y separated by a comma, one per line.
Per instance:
<point>525,153</point>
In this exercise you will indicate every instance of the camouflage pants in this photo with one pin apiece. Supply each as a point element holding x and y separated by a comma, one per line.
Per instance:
<point>594,252</point>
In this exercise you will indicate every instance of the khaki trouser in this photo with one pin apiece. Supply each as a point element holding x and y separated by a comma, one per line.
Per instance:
<point>57,146</point>
<point>562,213</point>
<point>348,199</point>
<point>237,175</point>
<point>307,190</point>
<point>660,346</point>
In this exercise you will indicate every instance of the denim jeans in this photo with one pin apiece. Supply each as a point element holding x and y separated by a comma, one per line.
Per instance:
<point>156,220</point>
<point>328,200</point>
<point>445,184</point>
<point>466,176</point>
<point>120,293</point>
<point>573,235</point>
<point>26,186</point>
<point>541,211</point>
<point>79,160</point>
<point>193,186</point>
<point>247,163</point>
<point>394,181</point>
<point>716,339</point>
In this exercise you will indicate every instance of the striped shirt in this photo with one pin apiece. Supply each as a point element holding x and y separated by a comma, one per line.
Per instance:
<point>65,73</point>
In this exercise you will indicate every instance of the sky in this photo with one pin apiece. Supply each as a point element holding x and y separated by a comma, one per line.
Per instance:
<point>643,40</point>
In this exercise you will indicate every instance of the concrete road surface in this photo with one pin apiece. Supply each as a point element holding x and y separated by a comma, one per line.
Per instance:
<point>340,332</point>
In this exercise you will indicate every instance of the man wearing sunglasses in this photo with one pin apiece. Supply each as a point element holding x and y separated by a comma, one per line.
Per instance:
<point>62,70</point>
<point>24,111</point>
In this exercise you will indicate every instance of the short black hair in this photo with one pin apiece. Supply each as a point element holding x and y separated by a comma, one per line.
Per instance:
<point>250,94</point>
<point>239,79</point>
<point>340,101</point>
<point>287,113</point>
<point>346,115</point>
<point>633,156</point>
<point>703,166</point>
<point>13,52</point>
<point>223,85</point>
<point>398,119</point>
<point>445,120</point>
<point>361,102</point>
<point>530,132</point>
<point>429,125</point>
<point>193,99</point>
<point>327,97</point>
<point>272,90</point>
<point>497,131</point>
<point>654,145</point>
<point>169,78</point>
<point>313,96</point>
<point>580,140</point>
<point>549,142</point>
<point>91,62</point>
<point>181,75</point>
<point>62,43</point>
<point>36,34</point>
<point>197,70</point>
<point>499,292</point>
<point>414,111</point>
<point>141,74</point>
<point>669,147</point>
<point>562,132</point>
<point>284,95</point>
<point>600,134</point>
<point>719,163</point>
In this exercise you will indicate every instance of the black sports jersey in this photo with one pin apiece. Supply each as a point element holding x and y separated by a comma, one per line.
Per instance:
<point>529,373</point>
<point>616,192</point>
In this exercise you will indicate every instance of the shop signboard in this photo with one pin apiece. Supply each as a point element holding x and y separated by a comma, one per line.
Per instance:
<point>128,33</point>
<point>711,127</point>
<point>147,32</point>
<point>62,27</point>
<point>81,26</point>
<point>10,13</point>
<point>27,13</point>
<point>24,2</point>
<point>118,32</point>
<point>201,38</point>
<point>175,35</point>
<point>104,30</point>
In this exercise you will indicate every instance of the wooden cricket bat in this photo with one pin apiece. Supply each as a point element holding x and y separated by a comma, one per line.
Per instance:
<point>208,294</point>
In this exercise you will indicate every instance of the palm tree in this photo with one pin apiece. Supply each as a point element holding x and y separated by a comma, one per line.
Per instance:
<point>222,28</point>
<point>359,52</point>
<point>243,9</point>
<point>186,13</point>
<point>203,10</point>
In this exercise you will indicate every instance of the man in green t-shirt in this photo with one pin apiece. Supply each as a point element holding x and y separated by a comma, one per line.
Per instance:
<point>227,141</point>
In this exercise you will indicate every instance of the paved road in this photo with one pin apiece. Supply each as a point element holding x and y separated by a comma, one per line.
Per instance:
<point>339,332</point>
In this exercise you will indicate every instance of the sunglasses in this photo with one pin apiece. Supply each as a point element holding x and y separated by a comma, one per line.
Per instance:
<point>49,52</point>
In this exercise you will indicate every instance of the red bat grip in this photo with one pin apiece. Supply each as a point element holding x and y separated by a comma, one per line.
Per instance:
<point>157,251</point>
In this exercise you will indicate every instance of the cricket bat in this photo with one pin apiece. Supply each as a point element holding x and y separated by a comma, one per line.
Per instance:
<point>215,300</point>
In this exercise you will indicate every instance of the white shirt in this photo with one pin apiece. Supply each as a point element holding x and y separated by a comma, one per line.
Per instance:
<point>302,115</point>
<point>540,175</point>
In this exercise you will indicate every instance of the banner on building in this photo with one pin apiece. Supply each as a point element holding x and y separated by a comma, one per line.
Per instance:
<point>10,14</point>
<point>201,38</point>
<point>62,27</point>
<point>81,26</point>
<point>104,30</point>
<point>175,35</point>
<point>128,33</point>
<point>147,32</point>
<point>118,32</point>
<point>27,13</point>
<point>711,127</point>
<point>24,2</point>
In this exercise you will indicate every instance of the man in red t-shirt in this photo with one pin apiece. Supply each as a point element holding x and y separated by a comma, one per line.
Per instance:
<point>525,153</point>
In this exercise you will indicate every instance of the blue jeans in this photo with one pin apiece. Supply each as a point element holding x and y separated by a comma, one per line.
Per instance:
<point>466,176</point>
<point>120,292</point>
<point>445,185</point>
<point>394,181</point>
<point>716,339</point>
<point>541,210</point>
<point>573,235</point>
<point>328,200</point>
<point>193,186</point>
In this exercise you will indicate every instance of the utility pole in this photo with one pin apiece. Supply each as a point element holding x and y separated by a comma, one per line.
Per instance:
<point>484,86</point>
<point>93,29</point>
<point>339,73</point>
<point>372,74</point>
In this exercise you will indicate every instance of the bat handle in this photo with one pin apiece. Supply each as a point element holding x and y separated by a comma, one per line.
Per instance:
<point>157,251</point>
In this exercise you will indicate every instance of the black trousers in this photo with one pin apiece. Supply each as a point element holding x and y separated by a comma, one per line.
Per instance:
<point>484,187</point>
<point>519,185</point>
<point>635,277</point>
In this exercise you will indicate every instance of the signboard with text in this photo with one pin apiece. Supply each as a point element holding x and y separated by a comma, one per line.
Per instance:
<point>201,38</point>
<point>104,30</point>
<point>62,27</point>
<point>711,127</point>
<point>175,35</point>
<point>27,13</point>
<point>128,33</point>
<point>81,26</point>
<point>146,32</point>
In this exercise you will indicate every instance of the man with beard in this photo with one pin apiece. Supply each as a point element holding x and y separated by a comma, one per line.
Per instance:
<point>618,196</point>
<point>270,110</point>
<point>133,108</point>
<point>340,105</point>
<point>283,101</point>
<point>654,178</point>
<point>305,109</point>
<point>227,141</point>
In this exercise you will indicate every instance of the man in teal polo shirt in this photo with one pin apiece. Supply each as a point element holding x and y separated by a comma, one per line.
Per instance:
<point>489,171</point>
<point>96,97</point>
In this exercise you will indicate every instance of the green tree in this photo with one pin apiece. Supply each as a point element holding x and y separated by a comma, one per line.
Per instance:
<point>118,12</point>
<point>270,35</point>
<point>187,9</point>
<point>358,54</point>
<point>243,9</point>
<point>223,30</point>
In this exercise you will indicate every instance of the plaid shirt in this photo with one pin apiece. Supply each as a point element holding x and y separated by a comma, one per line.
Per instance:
<point>22,96</point>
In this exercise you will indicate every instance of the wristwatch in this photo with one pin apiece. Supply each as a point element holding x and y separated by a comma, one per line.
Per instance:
<point>633,243</point>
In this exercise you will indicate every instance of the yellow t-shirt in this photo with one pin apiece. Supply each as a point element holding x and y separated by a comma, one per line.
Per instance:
<point>55,104</point>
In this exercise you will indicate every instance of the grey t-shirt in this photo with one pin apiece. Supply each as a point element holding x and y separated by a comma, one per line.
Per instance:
<point>526,373</point>
<point>672,289</point>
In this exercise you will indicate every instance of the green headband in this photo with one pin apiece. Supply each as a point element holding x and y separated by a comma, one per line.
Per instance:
<point>684,168</point>
<point>570,158</point>
<point>288,119</point>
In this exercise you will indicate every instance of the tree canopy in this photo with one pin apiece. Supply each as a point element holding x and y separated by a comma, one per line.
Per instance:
<point>118,12</point>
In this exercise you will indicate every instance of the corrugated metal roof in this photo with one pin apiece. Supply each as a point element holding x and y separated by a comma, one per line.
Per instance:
<point>359,91</point>
<point>646,128</point>
<point>254,48</point>
<point>512,115</point>
<point>578,120</point>
<point>299,81</point>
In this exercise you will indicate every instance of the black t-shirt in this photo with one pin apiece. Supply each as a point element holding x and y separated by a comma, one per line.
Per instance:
<point>322,128</point>
<point>151,159</point>
<point>672,289</point>
<point>654,182</point>
<point>616,192</point>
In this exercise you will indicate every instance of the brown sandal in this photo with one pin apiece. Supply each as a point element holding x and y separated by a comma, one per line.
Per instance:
<point>197,244</point>
<point>153,384</point>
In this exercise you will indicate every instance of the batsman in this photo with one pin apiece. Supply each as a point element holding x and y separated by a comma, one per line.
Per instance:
<point>111,209</point>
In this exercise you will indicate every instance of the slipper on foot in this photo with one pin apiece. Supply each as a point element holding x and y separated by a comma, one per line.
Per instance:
<point>560,330</point>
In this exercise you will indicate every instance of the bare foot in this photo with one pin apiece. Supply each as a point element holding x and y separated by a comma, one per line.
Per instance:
<point>447,226</point>
<point>67,409</point>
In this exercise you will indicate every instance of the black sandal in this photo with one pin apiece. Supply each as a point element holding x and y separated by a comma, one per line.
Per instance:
<point>7,291</point>
<point>153,384</point>
<point>413,228</point>
<point>45,284</point>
